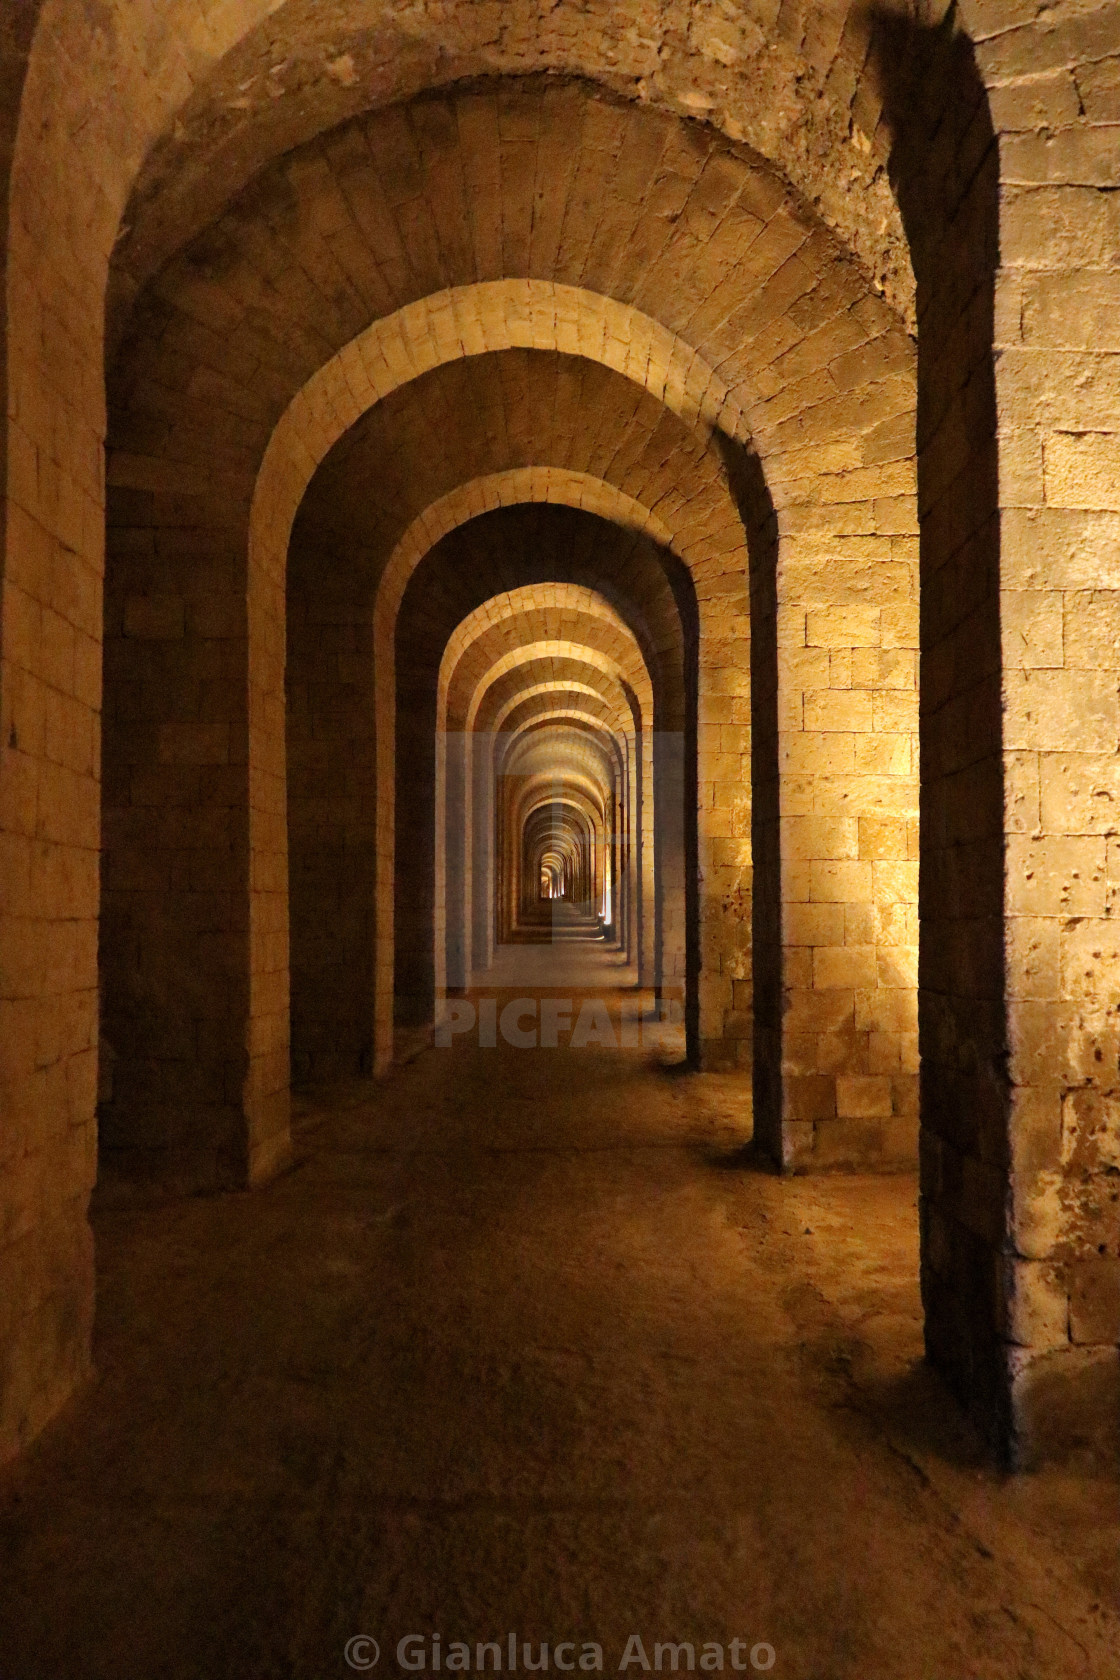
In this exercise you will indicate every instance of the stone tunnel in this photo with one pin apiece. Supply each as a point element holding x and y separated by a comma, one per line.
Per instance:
<point>583,527</point>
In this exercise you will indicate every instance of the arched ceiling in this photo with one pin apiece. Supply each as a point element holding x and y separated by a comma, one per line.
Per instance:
<point>511,412</point>
<point>501,576</point>
<point>544,547</point>
<point>538,666</point>
<point>256,78</point>
<point>505,622</point>
<point>593,717</point>
<point>565,616</point>
<point>721,259</point>
<point>418,469</point>
<point>561,755</point>
<point>530,660</point>
<point>492,675</point>
<point>573,699</point>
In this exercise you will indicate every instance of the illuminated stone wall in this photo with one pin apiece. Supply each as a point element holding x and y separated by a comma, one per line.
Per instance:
<point>726,212</point>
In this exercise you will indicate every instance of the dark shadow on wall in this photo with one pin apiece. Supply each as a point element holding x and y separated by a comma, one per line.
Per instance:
<point>751,493</point>
<point>944,168</point>
<point>686,749</point>
<point>332,812</point>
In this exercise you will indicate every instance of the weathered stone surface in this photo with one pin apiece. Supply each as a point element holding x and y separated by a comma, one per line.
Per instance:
<point>289,214</point>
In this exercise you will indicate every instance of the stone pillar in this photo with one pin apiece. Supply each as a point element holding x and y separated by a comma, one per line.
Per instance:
<point>833,678</point>
<point>848,841</point>
<point>50,679</point>
<point>723,759</point>
<point>1059,611</point>
<point>1018,458</point>
<point>331,823</point>
<point>51,557</point>
<point>194,907</point>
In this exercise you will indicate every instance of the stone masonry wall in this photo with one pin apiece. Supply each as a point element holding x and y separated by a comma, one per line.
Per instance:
<point>149,82</point>
<point>1000,168</point>
<point>163,453</point>
<point>332,815</point>
<point>1056,390</point>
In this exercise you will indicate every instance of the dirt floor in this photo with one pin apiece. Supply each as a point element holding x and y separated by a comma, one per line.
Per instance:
<point>524,1344</point>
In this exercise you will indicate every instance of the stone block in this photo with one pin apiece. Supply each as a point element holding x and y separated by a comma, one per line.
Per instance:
<point>1032,629</point>
<point>813,924</point>
<point>158,618</point>
<point>1062,711</point>
<point>882,838</point>
<point>895,882</point>
<point>1088,1130</point>
<point>1082,470</point>
<point>884,668</point>
<point>843,627</point>
<point>863,1097</point>
<point>886,1011</point>
<point>1072,310</point>
<point>1033,1303</point>
<point>1090,960</point>
<point>1094,1302</point>
<point>884,1053</point>
<point>860,925</point>
<point>1092,629</point>
<point>819,837</point>
<point>846,966</point>
<point>884,755</point>
<point>1022,792</point>
<point>1064,1403</point>
<point>842,710</point>
<point>896,966</point>
<point>809,1012</point>
<point>839,666</point>
<point>1055,875</point>
<point>827,754</point>
<point>898,625</point>
<point>808,1098</point>
<point>841,883</point>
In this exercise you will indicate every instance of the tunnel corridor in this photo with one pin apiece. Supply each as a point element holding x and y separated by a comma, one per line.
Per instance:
<point>520,1345</point>
<point>559,834</point>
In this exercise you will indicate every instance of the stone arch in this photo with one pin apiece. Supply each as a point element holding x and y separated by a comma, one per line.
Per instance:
<point>558,607</point>
<point>583,704</point>
<point>516,487</point>
<point>583,718</point>
<point>469,320</point>
<point>573,613</point>
<point>636,883</point>
<point>765,248</point>
<point>57,266</point>
<point>573,694</point>
<point>693,490</point>
<point>736,74</point>
<point>575,785</point>
<point>558,488</point>
<point>557,560</point>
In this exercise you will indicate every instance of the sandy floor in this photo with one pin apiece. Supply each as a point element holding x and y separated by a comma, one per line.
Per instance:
<point>522,1344</point>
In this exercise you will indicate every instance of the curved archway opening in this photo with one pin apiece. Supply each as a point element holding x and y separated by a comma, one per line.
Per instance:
<point>729,273</point>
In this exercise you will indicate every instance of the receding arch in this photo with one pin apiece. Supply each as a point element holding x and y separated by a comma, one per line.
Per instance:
<point>572,611</point>
<point>122,89</point>
<point>571,604</point>
<point>800,304</point>
<point>659,652</point>
<point>463,321</point>
<point>571,693</point>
